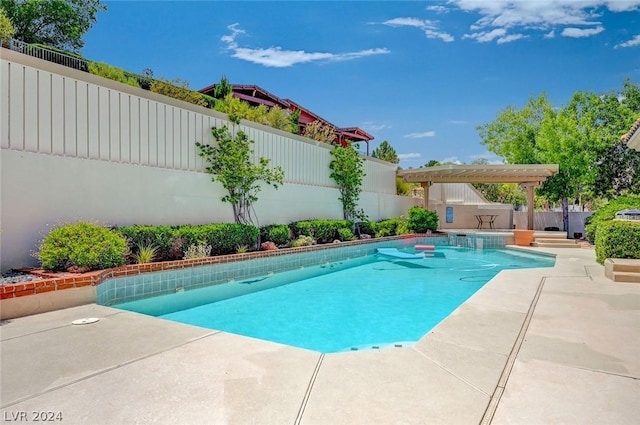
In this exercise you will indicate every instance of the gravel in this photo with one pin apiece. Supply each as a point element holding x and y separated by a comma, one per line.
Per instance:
<point>13,276</point>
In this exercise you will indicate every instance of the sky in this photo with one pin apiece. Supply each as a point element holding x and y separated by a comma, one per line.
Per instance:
<point>422,75</point>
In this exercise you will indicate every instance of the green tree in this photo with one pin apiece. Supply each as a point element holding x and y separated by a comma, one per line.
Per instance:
<point>347,170</point>
<point>230,163</point>
<point>294,118</point>
<point>570,136</point>
<point>432,163</point>
<point>223,88</point>
<point>6,27</point>
<point>57,23</point>
<point>386,152</point>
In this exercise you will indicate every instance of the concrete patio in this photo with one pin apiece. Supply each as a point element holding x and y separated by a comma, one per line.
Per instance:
<point>537,346</point>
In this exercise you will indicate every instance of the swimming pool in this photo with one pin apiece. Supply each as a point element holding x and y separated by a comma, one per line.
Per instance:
<point>362,303</point>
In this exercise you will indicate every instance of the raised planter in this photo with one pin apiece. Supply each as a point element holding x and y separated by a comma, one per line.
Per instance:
<point>523,237</point>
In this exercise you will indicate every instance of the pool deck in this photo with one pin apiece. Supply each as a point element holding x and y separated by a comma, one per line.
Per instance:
<point>536,346</point>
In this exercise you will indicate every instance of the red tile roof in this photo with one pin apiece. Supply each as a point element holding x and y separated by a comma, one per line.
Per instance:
<point>634,128</point>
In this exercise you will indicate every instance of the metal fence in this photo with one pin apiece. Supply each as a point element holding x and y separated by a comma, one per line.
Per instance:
<point>42,52</point>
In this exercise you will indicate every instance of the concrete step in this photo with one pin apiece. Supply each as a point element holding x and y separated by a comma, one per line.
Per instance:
<point>622,265</point>
<point>554,240</point>
<point>549,235</point>
<point>627,277</point>
<point>564,244</point>
<point>622,269</point>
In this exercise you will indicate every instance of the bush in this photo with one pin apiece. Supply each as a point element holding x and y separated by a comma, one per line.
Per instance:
<point>180,90</point>
<point>82,245</point>
<point>608,212</point>
<point>618,239</point>
<point>303,241</point>
<point>365,227</point>
<point>146,254</point>
<point>197,251</point>
<point>224,238</point>
<point>324,231</point>
<point>279,234</point>
<point>162,237</point>
<point>389,227</point>
<point>345,234</point>
<point>112,73</point>
<point>420,220</point>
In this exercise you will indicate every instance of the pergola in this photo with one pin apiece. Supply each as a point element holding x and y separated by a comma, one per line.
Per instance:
<point>527,175</point>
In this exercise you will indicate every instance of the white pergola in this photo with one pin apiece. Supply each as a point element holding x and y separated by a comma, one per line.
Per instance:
<point>528,176</point>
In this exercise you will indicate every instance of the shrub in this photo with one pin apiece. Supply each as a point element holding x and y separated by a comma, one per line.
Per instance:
<point>164,238</point>
<point>197,251</point>
<point>82,245</point>
<point>224,238</point>
<point>420,220</point>
<point>145,254</point>
<point>279,234</point>
<point>618,239</point>
<point>389,227</point>
<point>366,227</point>
<point>324,231</point>
<point>345,234</point>
<point>303,241</point>
<point>112,73</point>
<point>608,212</point>
<point>180,90</point>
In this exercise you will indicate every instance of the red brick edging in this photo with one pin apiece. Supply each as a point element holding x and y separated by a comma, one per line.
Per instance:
<point>65,280</point>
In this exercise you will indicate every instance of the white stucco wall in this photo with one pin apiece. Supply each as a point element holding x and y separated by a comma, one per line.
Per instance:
<point>74,146</point>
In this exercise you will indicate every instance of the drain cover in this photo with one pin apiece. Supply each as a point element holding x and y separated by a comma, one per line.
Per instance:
<point>85,321</point>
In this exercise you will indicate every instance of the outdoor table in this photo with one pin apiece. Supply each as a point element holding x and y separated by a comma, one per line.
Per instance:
<point>486,218</point>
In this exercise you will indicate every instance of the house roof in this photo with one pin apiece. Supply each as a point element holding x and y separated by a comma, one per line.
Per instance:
<point>258,95</point>
<point>632,137</point>
<point>516,173</point>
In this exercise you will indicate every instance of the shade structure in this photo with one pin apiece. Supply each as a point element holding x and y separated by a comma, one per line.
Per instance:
<point>528,175</point>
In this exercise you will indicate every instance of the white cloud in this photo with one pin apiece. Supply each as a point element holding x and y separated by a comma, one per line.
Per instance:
<point>579,18</point>
<point>492,159</point>
<point>420,135</point>
<point>498,34</point>
<point>371,126</point>
<point>412,155</point>
<point>430,28</point>
<point>438,8</point>
<point>276,57</point>
<point>635,41</point>
<point>581,32</point>
<point>453,159</point>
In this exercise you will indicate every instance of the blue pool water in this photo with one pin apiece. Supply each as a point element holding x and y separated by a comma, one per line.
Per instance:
<point>366,302</point>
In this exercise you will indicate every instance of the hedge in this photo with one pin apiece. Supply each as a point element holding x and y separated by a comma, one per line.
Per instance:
<point>618,239</point>
<point>323,231</point>
<point>173,241</point>
<point>608,212</point>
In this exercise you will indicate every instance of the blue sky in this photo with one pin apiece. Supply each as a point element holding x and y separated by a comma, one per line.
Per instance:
<point>421,75</point>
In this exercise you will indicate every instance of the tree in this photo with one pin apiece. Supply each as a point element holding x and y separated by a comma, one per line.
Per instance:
<point>432,163</point>
<point>6,27</point>
<point>223,88</point>
<point>617,171</point>
<point>386,152</point>
<point>294,119</point>
<point>230,163</point>
<point>57,23</point>
<point>570,136</point>
<point>347,170</point>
